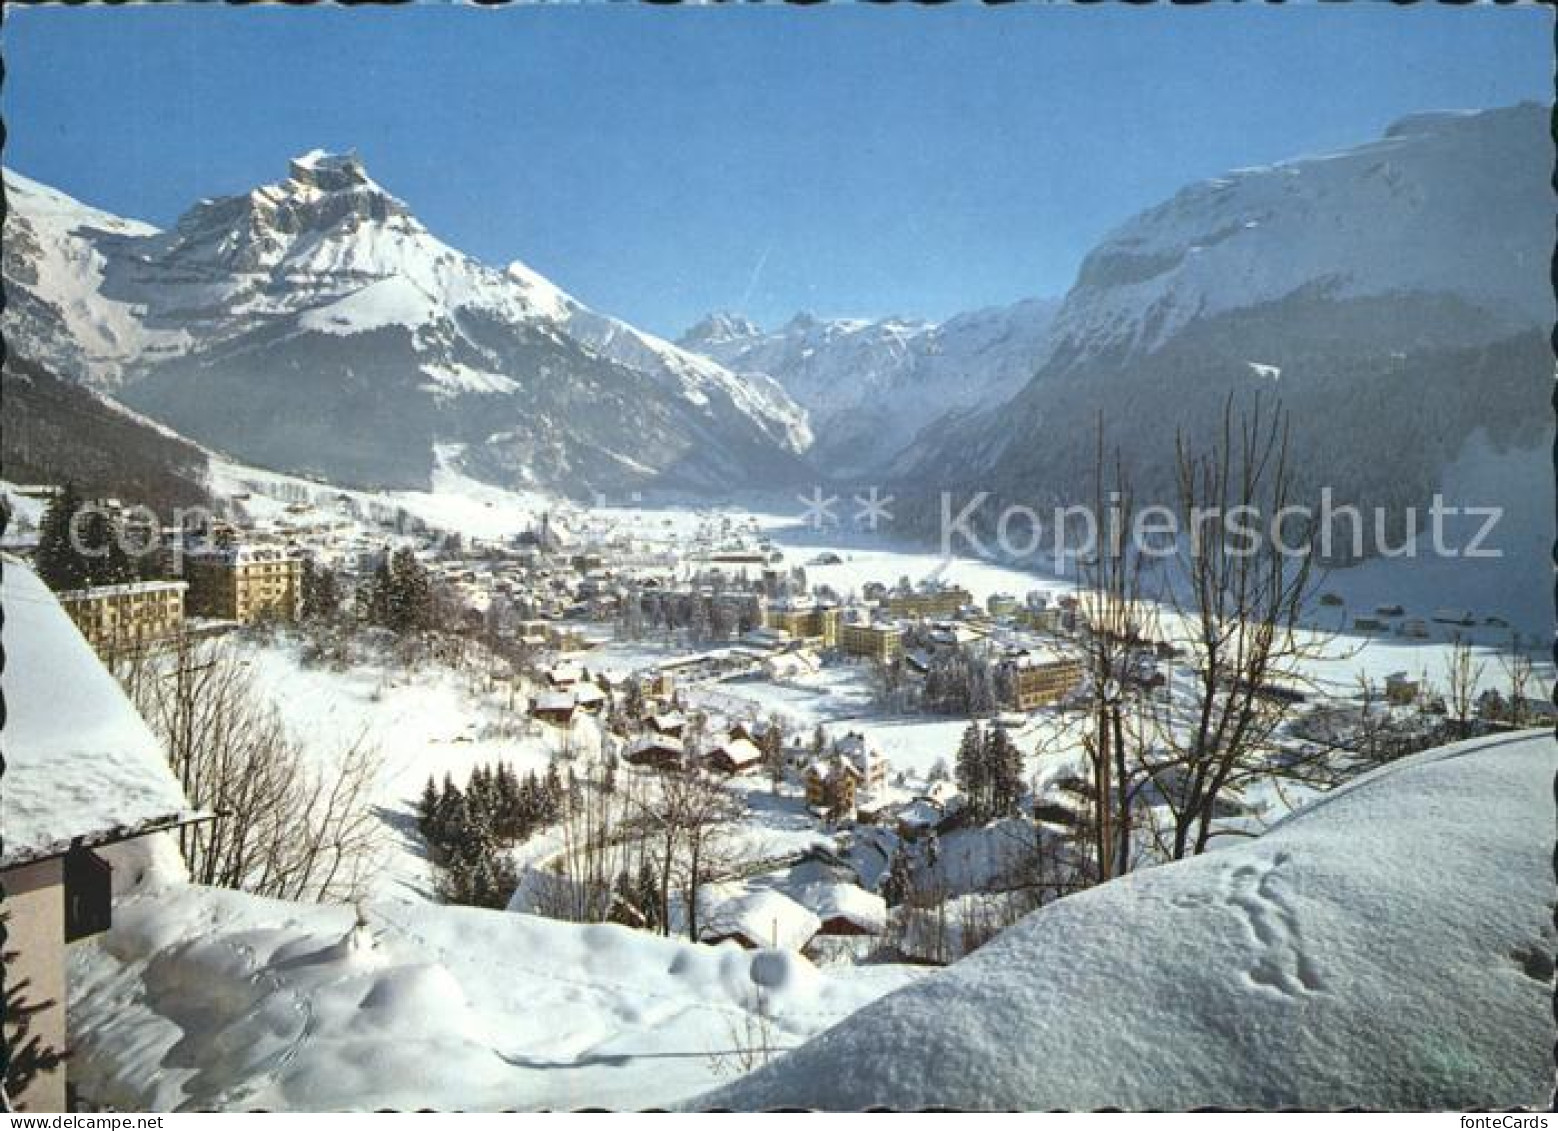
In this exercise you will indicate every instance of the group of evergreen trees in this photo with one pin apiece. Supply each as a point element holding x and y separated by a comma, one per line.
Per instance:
<point>704,616</point>
<point>94,554</point>
<point>959,684</point>
<point>989,773</point>
<point>470,831</point>
<point>399,595</point>
<point>321,591</point>
<point>636,897</point>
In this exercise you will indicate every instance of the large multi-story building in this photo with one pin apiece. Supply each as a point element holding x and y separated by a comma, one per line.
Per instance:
<point>244,583</point>
<point>941,601</point>
<point>125,616</point>
<point>873,640</point>
<point>1030,679</point>
<point>815,622</point>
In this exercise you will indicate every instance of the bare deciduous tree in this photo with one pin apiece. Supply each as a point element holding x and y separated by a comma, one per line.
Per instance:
<point>286,825</point>
<point>1117,619</point>
<point>1518,673</point>
<point>1238,599</point>
<point>1463,672</point>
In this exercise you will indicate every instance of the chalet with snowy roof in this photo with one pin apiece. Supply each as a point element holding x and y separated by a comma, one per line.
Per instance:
<point>919,818</point>
<point>792,665</point>
<point>564,675</point>
<point>672,724</point>
<point>734,756</point>
<point>753,730</point>
<point>554,707</point>
<point>1401,689</point>
<point>844,908</point>
<point>758,918</point>
<point>655,751</point>
<point>82,777</point>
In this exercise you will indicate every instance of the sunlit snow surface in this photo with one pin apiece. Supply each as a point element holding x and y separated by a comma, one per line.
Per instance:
<point>1389,946</point>
<point>200,998</point>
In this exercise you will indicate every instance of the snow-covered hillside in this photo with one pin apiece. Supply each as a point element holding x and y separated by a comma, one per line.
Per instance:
<point>1442,204</point>
<point>319,308</point>
<point>870,386</point>
<point>56,313</point>
<point>1393,297</point>
<point>200,998</point>
<point>1388,946</point>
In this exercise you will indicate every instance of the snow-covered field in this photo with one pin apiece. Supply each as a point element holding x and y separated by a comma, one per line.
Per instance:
<point>200,998</point>
<point>456,503</point>
<point>432,720</point>
<point>1389,946</point>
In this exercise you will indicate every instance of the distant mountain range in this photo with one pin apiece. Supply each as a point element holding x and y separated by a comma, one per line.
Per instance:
<point>1394,296</point>
<point>870,387</point>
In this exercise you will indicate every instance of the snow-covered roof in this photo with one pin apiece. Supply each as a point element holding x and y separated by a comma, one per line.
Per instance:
<point>849,902</point>
<point>428,1006</point>
<point>741,752</point>
<point>122,590</point>
<point>922,811</point>
<point>760,916</point>
<point>1384,947</point>
<point>565,673</point>
<point>240,553</point>
<point>588,693</point>
<point>80,762</point>
<point>655,742</point>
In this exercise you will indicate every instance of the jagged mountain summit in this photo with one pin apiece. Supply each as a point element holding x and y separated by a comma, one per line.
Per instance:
<point>315,325</point>
<point>871,386</point>
<point>1394,296</point>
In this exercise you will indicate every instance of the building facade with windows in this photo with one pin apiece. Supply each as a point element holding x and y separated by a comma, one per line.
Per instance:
<point>1032,679</point>
<point>873,640</point>
<point>126,616</point>
<point>244,583</point>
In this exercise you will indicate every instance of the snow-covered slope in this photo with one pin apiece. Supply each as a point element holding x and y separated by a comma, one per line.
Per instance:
<point>53,270</point>
<point>1389,946</point>
<point>1442,204</point>
<point>86,772</point>
<point>870,386</point>
<point>321,306</point>
<point>1394,297</point>
<point>200,998</point>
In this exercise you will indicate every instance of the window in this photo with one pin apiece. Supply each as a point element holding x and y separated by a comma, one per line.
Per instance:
<point>88,888</point>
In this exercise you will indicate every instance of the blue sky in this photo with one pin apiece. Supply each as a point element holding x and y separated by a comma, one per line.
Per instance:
<point>660,163</point>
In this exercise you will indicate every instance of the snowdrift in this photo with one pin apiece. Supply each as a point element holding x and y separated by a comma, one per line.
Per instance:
<point>1389,946</point>
<point>200,998</point>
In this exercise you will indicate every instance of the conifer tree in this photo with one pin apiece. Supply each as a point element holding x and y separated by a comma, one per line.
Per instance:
<point>972,778</point>
<point>58,564</point>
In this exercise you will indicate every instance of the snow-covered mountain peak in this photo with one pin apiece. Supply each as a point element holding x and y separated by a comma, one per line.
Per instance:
<point>871,385</point>
<point>720,327</point>
<point>330,172</point>
<point>1444,204</point>
<point>325,273</point>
